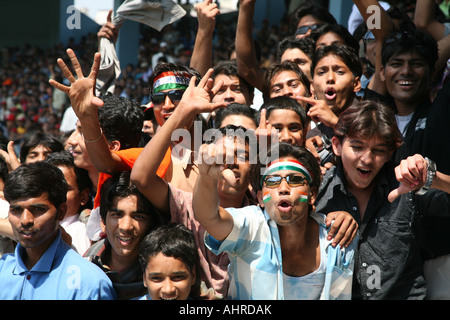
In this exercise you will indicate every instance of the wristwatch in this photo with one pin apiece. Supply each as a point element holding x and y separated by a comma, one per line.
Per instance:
<point>431,173</point>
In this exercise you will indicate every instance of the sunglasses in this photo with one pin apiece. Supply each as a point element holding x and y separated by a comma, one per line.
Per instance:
<point>394,37</point>
<point>292,180</point>
<point>160,97</point>
<point>304,29</point>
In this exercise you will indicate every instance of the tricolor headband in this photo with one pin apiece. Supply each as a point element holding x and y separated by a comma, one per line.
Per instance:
<point>293,165</point>
<point>171,80</point>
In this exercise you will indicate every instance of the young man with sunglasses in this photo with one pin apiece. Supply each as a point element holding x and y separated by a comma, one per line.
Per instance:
<point>280,249</point>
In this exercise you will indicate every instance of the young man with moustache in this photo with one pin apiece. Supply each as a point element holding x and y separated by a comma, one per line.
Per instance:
<point>278,250</point>
<point>43,266</point>
<point>365,182</point>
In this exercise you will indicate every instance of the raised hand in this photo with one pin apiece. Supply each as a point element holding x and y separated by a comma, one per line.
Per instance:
<point>81,89</point>
<point>109,30</point>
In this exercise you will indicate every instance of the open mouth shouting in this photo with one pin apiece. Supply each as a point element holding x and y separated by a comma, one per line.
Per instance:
<point>284,205</point>
<point>330,94</point>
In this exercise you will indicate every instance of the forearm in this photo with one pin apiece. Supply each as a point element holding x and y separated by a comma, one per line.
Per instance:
<point>424,19</point>
<point>201,59</point>
<point>248,66</point>
<point>441,182</point>
<point>207,212</point>
<point>98,148</point>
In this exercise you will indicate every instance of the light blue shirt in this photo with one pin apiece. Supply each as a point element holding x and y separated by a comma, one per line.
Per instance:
<point>60,274</point>
<point>255,269</point>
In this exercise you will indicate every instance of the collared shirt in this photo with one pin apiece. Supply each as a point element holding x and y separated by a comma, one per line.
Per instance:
<point>128,283</point>
<point>388,263</point>
<point>254,249</point>
<point>60,274</point>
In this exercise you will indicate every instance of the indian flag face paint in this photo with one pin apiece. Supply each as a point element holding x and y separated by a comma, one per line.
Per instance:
<point>266,197</point>
<point>171,80</point>
<point>303,196</point>
<point>279,165</point>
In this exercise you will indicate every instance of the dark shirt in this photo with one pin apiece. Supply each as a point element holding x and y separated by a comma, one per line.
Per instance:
<point>127,283</point>
<point>388,263</point>
<point>428,134</point>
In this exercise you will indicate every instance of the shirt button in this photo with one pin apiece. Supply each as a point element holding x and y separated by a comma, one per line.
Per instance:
<point>364,265</point>
<point>28,277</point>
<point>355,208</point>
<point>368,294</point>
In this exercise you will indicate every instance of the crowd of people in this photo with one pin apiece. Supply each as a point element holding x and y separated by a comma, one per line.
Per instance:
<point>300,161</point>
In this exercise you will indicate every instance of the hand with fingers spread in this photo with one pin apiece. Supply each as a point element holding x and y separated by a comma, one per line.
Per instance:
<point>320,111</point>
<point>411,173</point>
<point>197,98</point>
<point>81,89</point>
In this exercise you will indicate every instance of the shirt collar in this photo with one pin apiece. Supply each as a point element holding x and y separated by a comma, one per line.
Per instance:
<point>44,264</point>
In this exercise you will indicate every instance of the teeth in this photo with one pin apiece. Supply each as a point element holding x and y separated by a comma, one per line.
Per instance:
<point>405,83</point>
<point>169,299</point>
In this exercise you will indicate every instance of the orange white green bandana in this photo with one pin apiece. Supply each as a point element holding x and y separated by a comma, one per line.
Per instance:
<point>293,165</point>
<point>171,80</point>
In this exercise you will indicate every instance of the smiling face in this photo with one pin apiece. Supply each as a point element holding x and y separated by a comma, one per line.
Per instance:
<point>287,204</point>
<point>362,159</point>
<point>125,227</point>
<point>164,109</point>
<point>335,83</point>
<point>167,278</point>
<point>406,76</point>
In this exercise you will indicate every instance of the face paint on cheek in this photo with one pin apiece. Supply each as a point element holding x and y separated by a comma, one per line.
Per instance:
<point>303,197</point>
<point>266,197</point>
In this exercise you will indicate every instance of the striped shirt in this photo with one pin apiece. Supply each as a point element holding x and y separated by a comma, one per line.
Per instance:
<point>254,250</point>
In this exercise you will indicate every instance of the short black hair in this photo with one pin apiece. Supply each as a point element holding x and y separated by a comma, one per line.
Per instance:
<point>306,45</point>
<point>285,103</point>
<point>346,53</point>
<point>121,119</point>
<point>308,8</point>
<point>229,68</point>
<point>341,31</point>
<point>235,109</point>
<point>34,179</point>
<point>287,65</point>
<point>410,40</point>
<point>65,159</point>
<point>37,138</point>
<point>172,240</point>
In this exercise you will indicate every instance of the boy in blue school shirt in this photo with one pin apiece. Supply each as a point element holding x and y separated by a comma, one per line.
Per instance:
<point>43,266</point>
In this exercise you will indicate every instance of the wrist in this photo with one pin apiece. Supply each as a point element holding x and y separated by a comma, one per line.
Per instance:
<point>431,173</point>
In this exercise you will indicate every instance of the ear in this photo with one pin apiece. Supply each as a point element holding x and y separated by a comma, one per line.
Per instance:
<point>61,212</point>
<point>102,225</point>
<point>337,146</point>
<point>311,88</point>
<point>114,145</point>
<point>260,199</point>
<point>356,84</point>
<point>312,195</point>
<point>84,196</point>
<point>382,75</point>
